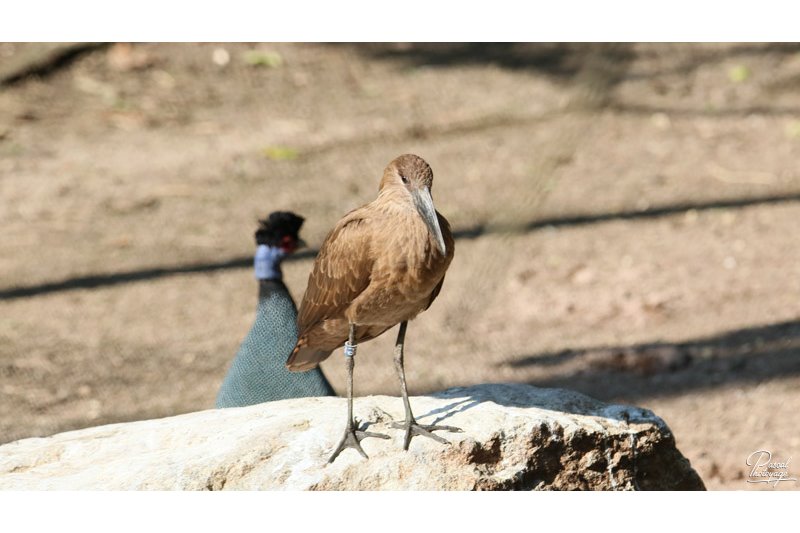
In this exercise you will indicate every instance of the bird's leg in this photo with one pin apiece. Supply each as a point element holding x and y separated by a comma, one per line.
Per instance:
<point>352,435</point>
<point>410,425</point>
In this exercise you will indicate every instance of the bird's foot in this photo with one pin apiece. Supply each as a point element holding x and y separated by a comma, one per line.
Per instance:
<point>412,428</point>
<point>352,437</point>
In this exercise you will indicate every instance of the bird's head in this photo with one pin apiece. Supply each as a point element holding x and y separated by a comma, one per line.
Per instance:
<point>281,230</point>
<point>410,173</point>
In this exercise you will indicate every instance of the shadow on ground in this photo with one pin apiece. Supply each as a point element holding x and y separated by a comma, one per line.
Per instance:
<point>598,66</point>
<point>749,355</point>
<point>560,60</point>
<point>115,278</point>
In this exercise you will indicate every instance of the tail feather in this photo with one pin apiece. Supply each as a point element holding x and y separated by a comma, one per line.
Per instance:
<point>303,357</point>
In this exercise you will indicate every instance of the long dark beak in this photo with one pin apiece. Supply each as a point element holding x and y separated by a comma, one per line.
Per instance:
<point>424,204</point>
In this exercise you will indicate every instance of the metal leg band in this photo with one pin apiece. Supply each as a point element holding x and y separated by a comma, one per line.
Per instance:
<point>350,349</point>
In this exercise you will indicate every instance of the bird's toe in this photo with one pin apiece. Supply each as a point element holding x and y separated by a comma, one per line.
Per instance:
<point>412,428</point>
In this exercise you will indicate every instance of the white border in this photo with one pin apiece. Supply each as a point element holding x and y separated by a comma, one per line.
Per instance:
<point>409,20</point>
<point>406,512</point>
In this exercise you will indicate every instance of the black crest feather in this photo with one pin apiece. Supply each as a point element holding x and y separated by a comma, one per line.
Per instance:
<point>278,225</point>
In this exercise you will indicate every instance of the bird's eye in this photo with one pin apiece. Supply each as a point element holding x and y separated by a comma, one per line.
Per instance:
<point>405,179</point>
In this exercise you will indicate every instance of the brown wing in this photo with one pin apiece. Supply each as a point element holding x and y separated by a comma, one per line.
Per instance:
<point>340,273</point>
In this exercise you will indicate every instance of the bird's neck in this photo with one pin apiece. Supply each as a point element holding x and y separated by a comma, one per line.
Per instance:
<point>267,262</point>
<point>270,287</point>
<point>395,199</point>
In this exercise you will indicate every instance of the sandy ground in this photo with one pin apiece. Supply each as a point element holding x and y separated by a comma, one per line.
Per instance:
<point>627,220</point>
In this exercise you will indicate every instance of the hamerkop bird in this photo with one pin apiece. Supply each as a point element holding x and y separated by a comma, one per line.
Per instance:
<point>381,265</point>
<point>258,372</point>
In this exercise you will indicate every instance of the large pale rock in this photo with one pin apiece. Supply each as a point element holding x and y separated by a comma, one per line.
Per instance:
<point>515,437</point>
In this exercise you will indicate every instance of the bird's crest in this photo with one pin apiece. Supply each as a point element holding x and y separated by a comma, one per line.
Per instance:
<point>278,225</point>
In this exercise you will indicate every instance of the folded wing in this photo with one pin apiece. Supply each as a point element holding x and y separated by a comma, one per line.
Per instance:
<point>340,273</point>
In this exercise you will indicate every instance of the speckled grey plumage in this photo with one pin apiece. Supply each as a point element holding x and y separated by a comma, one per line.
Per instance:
<point>258,373</point>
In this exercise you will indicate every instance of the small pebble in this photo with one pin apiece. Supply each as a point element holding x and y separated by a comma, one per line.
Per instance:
<point>221,57</point>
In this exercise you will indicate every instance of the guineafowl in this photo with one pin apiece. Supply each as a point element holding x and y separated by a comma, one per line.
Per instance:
<point>258,372</point>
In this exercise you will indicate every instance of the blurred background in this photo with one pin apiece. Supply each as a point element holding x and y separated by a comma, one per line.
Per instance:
<point>626,219</point>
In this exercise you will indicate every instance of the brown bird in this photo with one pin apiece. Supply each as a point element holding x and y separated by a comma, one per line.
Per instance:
<point>381,265</point>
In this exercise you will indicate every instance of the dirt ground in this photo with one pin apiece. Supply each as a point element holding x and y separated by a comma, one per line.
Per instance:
<point>626,216</point>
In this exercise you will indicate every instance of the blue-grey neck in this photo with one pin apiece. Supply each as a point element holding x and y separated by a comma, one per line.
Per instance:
<point>267,263</point>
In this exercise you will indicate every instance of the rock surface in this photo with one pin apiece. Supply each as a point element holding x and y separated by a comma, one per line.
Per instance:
<point>515,437</point>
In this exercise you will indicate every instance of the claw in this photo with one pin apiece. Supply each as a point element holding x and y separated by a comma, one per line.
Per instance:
<point>352,439</point>
<point>364,434</point>
<point>412,428</point>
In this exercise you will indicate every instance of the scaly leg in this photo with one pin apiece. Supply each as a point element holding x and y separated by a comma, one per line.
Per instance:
<point>352,435</point>
<point>410,425</point>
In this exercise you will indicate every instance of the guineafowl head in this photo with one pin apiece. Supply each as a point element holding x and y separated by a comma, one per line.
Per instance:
<point>280,230</point>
